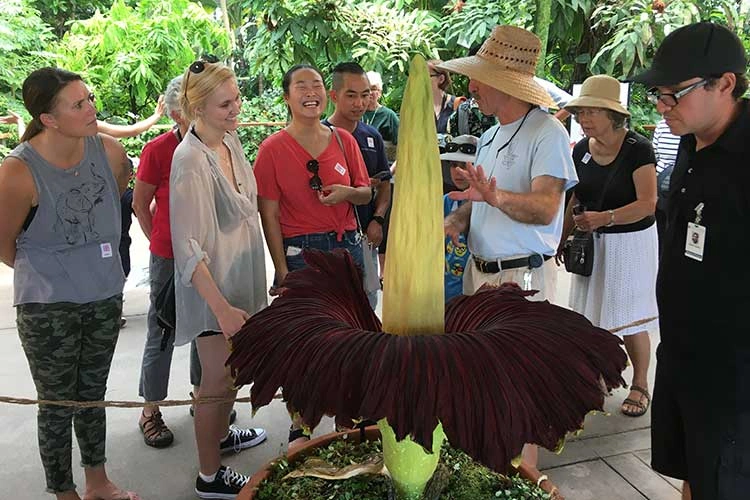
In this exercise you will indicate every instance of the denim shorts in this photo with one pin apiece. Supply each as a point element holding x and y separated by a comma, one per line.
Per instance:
<point>327,242</point>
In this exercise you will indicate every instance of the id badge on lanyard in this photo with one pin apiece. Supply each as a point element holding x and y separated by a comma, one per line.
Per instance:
<point>695,240</point>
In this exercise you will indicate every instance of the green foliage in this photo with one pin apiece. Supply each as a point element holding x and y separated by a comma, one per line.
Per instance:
<point>128,55</point>
<point>474,22</point>
<point>633,29</point>
<point>467,480</point>
<point>376,34</point>
<point>269,107</point>
<point>24,45</point>
<point>58,13</point>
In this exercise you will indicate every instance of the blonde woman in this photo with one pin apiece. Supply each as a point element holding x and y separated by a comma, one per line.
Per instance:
<point>219,263</point>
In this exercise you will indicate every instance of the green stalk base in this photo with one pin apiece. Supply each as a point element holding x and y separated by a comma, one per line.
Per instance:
<point>408,463</point>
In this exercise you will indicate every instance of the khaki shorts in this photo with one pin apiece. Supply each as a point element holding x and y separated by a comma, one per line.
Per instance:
<point>543,279</point>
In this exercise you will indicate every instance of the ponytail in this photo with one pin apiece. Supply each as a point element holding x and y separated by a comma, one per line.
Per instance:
<point>32,128</point>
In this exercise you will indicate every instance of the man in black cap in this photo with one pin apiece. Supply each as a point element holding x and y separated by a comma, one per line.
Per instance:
<point>700,414</point>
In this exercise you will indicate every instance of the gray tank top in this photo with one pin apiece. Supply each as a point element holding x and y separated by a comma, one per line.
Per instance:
<point>69,251</point>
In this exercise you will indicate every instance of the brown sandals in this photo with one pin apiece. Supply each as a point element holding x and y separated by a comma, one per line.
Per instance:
<point>642,407</point>
<point>155,431</point>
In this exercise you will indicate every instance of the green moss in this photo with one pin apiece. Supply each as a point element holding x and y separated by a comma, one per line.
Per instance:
<point>464,479</point>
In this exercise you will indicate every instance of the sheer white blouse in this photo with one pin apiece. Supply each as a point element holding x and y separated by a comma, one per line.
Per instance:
<point>211,222</point>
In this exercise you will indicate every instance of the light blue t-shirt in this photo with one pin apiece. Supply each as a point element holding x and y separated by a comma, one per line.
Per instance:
<point>541,147</point>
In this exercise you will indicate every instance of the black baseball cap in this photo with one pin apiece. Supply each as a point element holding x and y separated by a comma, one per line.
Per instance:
<point>696,50</point>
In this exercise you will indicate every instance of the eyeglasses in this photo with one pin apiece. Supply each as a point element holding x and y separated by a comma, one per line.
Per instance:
<point>584,112</point>
<point>452,147</point>
<point>671,100</point>
<point>434,75</point>
<point>197,68</point>
<point>315,181</point>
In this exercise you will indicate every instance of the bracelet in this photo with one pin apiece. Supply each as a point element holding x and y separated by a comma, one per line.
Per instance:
<point>611,218</point>
<point>541,479</point>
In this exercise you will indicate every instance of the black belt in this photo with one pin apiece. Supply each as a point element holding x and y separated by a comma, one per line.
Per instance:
<point>492,267</point>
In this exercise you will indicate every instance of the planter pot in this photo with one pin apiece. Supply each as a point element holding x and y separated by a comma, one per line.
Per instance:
<point>371,433</point>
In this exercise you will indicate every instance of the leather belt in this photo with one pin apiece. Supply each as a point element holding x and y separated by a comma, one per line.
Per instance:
<point>492,267</point>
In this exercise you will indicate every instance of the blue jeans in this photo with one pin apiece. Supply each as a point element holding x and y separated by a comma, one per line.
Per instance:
<point>321,241</point>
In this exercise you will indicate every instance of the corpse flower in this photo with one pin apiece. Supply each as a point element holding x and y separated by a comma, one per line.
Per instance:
<point>490,371</point>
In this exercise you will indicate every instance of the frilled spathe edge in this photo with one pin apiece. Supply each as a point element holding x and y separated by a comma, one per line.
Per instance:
<point>508,371</point>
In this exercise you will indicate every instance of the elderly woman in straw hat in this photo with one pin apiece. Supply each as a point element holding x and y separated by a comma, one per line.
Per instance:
<point>616,198</point>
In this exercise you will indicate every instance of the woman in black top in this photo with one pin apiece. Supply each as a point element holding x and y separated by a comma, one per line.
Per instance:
<point>442,101</point>
<point>620,293</point>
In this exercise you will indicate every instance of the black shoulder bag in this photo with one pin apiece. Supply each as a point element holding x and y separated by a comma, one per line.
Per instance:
<point>578,252</point>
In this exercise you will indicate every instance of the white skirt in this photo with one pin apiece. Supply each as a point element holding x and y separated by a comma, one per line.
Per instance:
<point>621,290</point>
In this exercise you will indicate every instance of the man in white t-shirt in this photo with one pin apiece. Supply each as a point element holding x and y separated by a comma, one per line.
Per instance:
<point>524,166</point>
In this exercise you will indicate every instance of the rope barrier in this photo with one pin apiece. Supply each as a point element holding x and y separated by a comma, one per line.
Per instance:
<point>186,402</point>
<point>123,404</point>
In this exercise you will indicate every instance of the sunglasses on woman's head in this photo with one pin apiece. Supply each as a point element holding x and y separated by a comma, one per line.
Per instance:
<point>452,147</point>
<point>197,67</point>
<point>316,183</point>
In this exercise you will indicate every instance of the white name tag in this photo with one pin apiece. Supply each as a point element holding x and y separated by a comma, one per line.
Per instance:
<point>586,158</point>
<point>695,241</point>
<point>338,168</point>
<point>371,142</point>
<point>106,249</point>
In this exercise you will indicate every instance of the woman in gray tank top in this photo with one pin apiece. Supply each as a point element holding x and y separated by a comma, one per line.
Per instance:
<point>60,200</point>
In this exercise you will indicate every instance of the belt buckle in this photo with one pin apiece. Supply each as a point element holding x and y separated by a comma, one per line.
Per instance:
<point>481,264</point>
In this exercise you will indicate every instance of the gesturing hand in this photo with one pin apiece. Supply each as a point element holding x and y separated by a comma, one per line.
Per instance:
<point>480,188</point>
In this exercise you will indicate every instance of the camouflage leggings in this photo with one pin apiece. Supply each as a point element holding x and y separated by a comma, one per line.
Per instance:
<point>69,348</point>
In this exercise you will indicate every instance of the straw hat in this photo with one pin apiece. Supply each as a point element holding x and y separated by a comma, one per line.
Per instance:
<point>599,91</point>
<point>506,62</point>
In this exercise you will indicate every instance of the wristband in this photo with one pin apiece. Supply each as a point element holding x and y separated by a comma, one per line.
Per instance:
<point>379,219</point>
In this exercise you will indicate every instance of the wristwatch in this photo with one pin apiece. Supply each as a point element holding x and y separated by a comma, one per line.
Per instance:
<point>379,219</point>
<point>611,218</point>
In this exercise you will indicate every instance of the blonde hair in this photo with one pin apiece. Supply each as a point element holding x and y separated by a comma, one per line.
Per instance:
<point>196,87</point>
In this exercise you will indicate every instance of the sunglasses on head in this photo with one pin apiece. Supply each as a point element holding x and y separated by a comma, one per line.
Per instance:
<point>452,147</point>
<point>197,67</point>
<point>316,184</point>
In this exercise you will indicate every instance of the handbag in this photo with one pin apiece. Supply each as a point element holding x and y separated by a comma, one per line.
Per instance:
<point>578,252</point>
<point>166,313</point>
<point>371,277</point>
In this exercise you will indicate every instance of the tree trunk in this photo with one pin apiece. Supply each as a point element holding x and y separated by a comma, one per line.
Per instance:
<point>227,26</point>
<point>542,20</point>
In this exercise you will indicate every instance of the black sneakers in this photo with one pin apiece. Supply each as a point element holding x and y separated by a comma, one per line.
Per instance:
<point>240,439</point>
<point>225,486</point>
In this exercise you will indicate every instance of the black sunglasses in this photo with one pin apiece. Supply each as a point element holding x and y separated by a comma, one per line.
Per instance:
<point>197,67</point>
<point>452,147</point>
<point>315,181</point>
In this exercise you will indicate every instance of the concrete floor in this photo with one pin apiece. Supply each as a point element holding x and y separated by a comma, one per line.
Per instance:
<point>608,461</point>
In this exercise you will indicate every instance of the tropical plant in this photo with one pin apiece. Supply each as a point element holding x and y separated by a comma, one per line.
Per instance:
<point>128,55</point>
<point>59,13</point>
<point>634,28</point>
<point>490,371</point>
<point>24,45</point>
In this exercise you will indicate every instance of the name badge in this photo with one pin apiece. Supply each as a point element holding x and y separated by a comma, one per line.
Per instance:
<point>106,249</point>
<point>338,168</point>
<point>371,142</point>
<point>695,241</point>
<point>586,158</point>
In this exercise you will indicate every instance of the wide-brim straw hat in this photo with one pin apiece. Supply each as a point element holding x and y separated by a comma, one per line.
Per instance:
<point>506,62</point>
<point>599,91</point>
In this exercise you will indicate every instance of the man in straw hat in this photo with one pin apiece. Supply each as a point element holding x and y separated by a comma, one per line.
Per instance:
<point>700,413</point>
<point>523,168</point>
